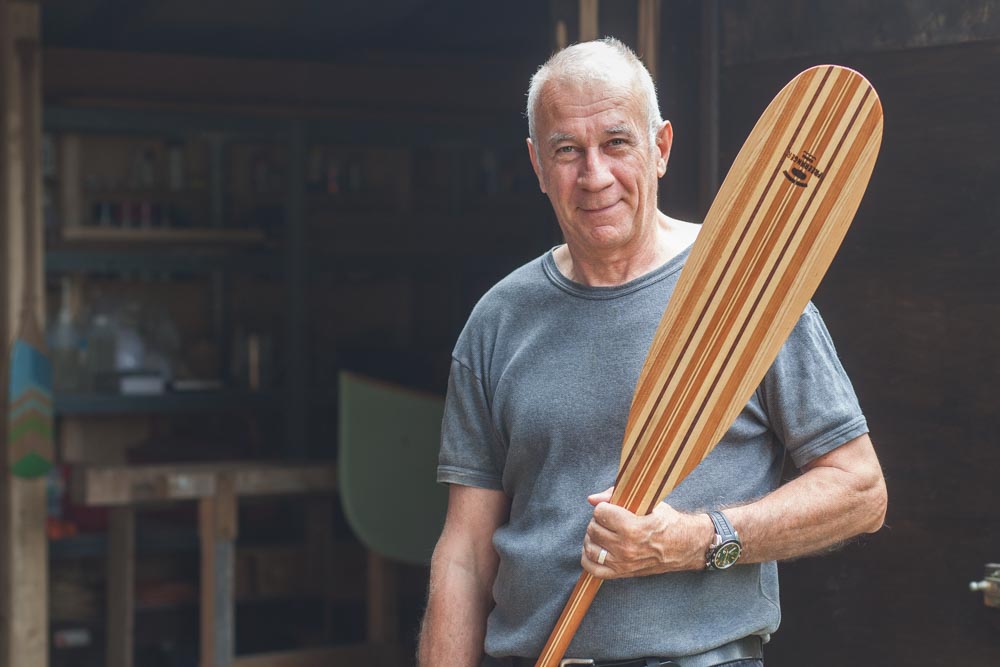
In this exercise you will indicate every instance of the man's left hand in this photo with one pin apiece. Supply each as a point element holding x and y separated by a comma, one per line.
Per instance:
<point>664,541</point>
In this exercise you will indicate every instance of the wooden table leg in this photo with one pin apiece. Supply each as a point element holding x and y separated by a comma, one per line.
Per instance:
<point>383,609</point>
<point>121,587</point>
<point>217,522</point>
<point>319,554</point>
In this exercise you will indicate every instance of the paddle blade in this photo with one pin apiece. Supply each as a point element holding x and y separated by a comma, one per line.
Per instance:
<point>29,419</point>
<point>767,241</point>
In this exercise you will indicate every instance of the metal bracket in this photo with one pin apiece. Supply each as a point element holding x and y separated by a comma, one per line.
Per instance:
<point>990,585</point>
<point>575,661</point>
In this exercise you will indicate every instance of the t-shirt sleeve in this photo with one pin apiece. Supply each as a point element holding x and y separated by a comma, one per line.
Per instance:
<point>809,399</point>
<point>471,451</point>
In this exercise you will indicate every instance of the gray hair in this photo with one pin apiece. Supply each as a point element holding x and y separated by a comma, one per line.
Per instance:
<point>603,61</point>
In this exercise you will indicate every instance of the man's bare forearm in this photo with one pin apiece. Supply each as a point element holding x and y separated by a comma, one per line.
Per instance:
<point>455,623</point>
<point>463,569</point>
<point>825,506</point>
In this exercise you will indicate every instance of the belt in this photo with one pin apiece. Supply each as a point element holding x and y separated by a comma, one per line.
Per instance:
<point>747,648</point>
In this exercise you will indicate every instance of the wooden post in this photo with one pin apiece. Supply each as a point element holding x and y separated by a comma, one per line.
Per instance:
<point>121,587</point>
<point>649,34</point>
<point>589,10</point>
<point>217,523</point>
<point>383,608</point>
<point>70,181</point>
<point>709,182</point>
<point>319,553</point>
<point>297,287</point>
<point>24,572</point>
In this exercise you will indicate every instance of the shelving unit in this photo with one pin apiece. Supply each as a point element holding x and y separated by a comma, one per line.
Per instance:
<point>368,239</point>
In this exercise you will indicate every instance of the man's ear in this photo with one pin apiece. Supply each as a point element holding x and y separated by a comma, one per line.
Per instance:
<point>536,165</point>
<point>664,141</point>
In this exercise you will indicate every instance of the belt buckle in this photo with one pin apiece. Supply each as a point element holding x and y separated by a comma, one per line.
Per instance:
<point>575,661</point>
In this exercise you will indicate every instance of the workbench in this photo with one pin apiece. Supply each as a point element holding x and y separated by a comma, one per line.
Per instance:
<point>217,488</point>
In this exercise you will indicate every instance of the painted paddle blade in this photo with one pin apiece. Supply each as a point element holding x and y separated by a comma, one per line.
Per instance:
<point>29,421</point>
<point>766,243</point>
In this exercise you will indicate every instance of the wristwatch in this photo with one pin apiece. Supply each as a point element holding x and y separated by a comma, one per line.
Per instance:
<point>726,548</point>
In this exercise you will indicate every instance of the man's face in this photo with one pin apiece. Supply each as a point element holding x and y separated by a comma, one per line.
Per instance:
<point>595,161</point>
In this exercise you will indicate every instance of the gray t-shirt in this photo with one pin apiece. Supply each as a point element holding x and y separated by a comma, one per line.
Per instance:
<point>541,383</point>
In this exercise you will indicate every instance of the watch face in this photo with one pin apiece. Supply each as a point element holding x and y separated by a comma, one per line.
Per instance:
<point>726,555</point>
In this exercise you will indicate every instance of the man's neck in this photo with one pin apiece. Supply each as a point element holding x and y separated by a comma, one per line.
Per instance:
<point>621,265</point>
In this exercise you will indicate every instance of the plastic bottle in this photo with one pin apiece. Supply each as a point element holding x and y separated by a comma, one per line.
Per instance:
<point>64,346</point>
<point>102,344</point>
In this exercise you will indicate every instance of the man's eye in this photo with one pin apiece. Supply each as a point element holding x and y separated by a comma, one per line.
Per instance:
<point>565,149</point>
<point>617,142</point>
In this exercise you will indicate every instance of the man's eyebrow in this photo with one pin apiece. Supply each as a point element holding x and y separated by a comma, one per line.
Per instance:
<point>620,129</point>
<point>559,137</point>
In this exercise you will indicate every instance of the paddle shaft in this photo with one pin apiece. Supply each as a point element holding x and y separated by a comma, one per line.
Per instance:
<point>30,329</point>
<point>5,323</point>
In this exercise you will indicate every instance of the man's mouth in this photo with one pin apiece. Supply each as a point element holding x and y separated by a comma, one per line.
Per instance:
<point>597,209</point>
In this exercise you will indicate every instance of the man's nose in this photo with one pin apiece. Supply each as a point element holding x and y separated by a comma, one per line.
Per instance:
<point>595,172</point>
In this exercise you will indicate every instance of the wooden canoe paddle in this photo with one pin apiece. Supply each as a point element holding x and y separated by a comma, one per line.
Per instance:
<point>29,418</point>
<point>766,242</point>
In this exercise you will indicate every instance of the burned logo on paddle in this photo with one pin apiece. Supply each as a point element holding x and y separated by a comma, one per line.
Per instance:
<point>802,169</point>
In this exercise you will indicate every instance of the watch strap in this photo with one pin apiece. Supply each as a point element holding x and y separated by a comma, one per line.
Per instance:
<point>723,528</point>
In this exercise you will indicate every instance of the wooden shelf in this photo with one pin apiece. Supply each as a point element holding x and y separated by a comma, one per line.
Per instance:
<point>154,235</point>
<point>162,258</point>
<point>170,402</point>
<point>133,484</point>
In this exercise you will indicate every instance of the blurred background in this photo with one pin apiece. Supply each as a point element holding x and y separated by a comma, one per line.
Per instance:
<point>239,201</point>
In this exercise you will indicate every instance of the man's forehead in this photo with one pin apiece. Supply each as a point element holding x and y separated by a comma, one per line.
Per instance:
<point>613,107</point>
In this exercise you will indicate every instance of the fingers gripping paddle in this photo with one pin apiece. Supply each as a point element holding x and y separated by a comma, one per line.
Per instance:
<point>766,242</point>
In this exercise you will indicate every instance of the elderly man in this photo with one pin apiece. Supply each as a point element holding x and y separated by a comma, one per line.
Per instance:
<point>541,382</point>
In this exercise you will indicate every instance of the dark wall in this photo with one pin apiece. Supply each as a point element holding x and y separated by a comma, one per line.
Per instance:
<point>911,302</point>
